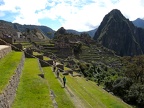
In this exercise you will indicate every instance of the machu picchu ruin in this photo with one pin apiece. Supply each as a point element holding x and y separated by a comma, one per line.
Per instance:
<point>99,74</point>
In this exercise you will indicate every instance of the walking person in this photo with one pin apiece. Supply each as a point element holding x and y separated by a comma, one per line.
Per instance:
<point>64,80</point>
<point>57,73</point>
<point>54,65</point>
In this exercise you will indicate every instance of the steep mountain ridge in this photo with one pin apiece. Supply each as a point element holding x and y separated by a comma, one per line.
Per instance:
<point>119,34</point>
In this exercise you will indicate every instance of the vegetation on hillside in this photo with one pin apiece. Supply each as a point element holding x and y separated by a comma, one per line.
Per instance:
<point>123,76</point>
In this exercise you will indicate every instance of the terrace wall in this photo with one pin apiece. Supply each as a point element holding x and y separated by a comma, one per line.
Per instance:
<point>8,94</point>
<point>4,51</point>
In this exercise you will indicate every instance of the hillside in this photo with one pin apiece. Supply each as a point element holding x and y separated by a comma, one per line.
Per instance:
<point>48,91</point>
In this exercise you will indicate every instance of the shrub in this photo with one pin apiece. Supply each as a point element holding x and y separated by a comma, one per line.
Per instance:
<point>121,85</point>
<point>135,94</point>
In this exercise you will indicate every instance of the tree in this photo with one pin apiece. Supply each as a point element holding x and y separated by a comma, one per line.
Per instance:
<point>135,69</point>
<point>121,85</point>
<point>135,95</point>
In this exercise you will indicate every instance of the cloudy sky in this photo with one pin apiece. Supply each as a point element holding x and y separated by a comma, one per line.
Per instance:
<point>80,15</point>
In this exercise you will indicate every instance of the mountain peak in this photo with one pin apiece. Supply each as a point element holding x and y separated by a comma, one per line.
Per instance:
<point>61,30</point>
<point>119,34</point>
<point>115,15</point>
<point>139,19</point>
<point>115,11</point>
<point>139,22</point>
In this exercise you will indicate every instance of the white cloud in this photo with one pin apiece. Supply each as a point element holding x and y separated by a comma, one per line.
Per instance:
<point>132,9</point>
<point>26,10</point>
<point>2,14</point>
<point>72,14</point>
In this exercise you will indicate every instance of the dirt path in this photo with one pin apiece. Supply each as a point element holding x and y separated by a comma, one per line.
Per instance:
<point>77,102</point>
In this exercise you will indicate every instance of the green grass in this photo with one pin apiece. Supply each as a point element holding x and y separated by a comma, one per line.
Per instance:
<point>8,65</point>
<point>92,95</point>
<point>66,68</point>
<point>36,53</point>
<point>32,91</point>
<point>62,98</point>
<point>46,58</point>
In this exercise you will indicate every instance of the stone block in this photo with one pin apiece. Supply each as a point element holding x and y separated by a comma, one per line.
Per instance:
<point>17,47</point>
<point>40,57</point>
<point>60,66</point>
<point>69,71</point>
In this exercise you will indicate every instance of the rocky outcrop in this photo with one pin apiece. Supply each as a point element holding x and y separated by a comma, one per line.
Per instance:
<point>61,31</point>
<point>119,34</point>
<point>8,94</point>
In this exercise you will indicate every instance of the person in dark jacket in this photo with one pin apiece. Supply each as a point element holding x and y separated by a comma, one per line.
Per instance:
<point>64,80</point>
<point>57,73</point>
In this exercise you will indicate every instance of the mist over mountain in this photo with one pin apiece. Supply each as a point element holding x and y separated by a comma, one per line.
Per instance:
<point>119,34</point>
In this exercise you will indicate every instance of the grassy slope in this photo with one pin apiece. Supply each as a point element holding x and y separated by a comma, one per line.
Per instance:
<point>8,65</point>
<point>92,95</point>
<point>62,99</point>
<point>32,91</point>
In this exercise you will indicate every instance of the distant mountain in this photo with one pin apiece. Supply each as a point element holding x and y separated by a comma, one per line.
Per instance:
<point>139,22</point>
<point>73,31</point>
<point>21,28</point>
<point>119,34</point>
<point>44,29</point>
<point>6,29</point>
<point>21,32</point>
<point>91,32</point>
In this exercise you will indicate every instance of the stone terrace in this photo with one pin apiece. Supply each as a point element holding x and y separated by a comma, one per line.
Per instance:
<point>4,50</point>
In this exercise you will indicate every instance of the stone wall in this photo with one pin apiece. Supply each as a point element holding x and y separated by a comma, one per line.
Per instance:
<point>45,63</point>
<point>8,94</point>
<point>5,41</point>
<point>4,51</point>
<point>42,73</point>
<point>28,53</point>
<point>17,47</point>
